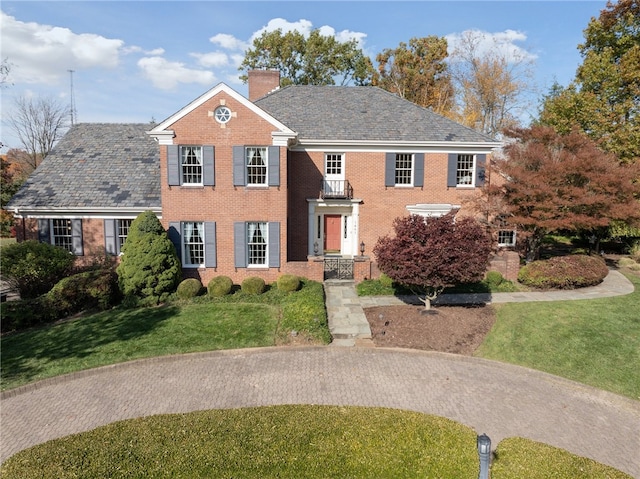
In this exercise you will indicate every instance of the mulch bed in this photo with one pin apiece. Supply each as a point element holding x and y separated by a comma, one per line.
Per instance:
<point>450,329</point>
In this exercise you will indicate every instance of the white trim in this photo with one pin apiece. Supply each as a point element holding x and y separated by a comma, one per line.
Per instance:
<point>396,146</point>
<point>161,134</point>
<point>431,210</point>
<point>83,213</point>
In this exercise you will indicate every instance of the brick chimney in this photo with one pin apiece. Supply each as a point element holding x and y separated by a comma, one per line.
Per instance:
<point>262,82</point>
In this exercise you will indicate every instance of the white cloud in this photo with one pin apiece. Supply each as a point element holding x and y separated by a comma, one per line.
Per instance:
<point>43,53</point>
<point>305,27</point>
<point>213,59</point>
<point>502,44</point>
<point>228,42</point>
<point>166,75</point>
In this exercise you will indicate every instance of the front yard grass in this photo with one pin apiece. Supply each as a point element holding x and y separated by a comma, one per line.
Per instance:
<point>118,335</point>
<point>290,441</point>
<point>595,342</point>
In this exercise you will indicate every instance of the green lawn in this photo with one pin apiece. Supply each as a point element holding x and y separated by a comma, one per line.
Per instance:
<point>595,342</point>
<point>291,441</point>
<point>235,321</point>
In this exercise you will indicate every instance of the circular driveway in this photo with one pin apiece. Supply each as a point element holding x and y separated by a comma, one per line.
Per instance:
<point>498,399</point>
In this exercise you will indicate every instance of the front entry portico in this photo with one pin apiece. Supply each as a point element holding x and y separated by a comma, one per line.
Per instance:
<point>333,227</point>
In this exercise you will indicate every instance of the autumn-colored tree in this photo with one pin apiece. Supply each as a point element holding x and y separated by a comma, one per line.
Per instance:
<point>426,255</point>
<point>550,182</point>
<point>315,59</point>
<point>418,72</point>
<point>604,98</point>
<point>491,84</point>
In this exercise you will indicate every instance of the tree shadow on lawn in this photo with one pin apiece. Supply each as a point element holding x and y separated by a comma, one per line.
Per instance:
<point>27,354</point>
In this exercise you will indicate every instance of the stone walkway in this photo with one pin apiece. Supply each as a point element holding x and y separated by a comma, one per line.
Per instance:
<point>498,399</point>
<point>348,323</point>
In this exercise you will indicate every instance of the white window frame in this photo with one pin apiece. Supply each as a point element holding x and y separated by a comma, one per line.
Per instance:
<point>190,170</point>
<point>248,157</point>
<point>404,170</point>
<point>503,234</point>
<point>257,251</point>
<point>187,239</point>
<point>62,235</point>
<point>123,227</point>
<point>465,171</point>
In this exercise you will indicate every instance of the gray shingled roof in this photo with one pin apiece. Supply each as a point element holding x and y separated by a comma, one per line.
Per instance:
<point>100,166</point>
<point>360,113</point>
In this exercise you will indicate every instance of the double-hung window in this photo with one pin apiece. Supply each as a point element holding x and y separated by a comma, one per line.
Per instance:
<point>193,243</point>
<point>506,238</point>
<point>61,234</point>
<point>123,231</point>
<point>466,170</point>
<point>191,162</point>
<point>404,169</point>
<point>256,244</point>
<point>256,158</point>
<point>257,241</point>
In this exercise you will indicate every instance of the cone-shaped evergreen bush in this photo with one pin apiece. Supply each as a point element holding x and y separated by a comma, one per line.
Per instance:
<point>150,268</point>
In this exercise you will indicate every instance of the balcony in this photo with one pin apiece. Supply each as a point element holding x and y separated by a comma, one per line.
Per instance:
<point>336,189</point>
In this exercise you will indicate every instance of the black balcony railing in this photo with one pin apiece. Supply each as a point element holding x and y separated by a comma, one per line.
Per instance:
<point>336,189</point>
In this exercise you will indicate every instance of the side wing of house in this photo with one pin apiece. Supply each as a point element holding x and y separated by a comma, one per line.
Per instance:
<point>85,194</point>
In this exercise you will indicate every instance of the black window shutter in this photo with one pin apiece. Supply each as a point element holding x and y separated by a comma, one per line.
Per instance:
<point>210,258</point>
<point>239,168</point>
<point>76,237</point>
<point>274,245</point>
<point>174,234</point>
<point>452,169</point>
<point>390,169</point>
<point>418,169</point>
<point>481,162</point>
<point>173,165</point>
<point>110,237</point>
<point>274,165</point>
<point>44,235</point>
<point>208,166</point>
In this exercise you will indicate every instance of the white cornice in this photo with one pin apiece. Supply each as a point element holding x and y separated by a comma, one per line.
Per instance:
<point>385,145</point>
<point>79,213</point>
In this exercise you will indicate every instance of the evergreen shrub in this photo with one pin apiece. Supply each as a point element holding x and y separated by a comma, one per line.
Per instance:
<point>219,286</point>
<point>189,288</point>
<point>564,272</point>
<point>288,283</point>
<point>253,285</point>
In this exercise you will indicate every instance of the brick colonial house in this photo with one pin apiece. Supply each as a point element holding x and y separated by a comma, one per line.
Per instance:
<point>301,179</point>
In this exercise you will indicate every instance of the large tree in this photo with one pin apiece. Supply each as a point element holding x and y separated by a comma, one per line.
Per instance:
<point>604,98</point>
<point>547,182</point>
<point>418,72</point>
<point>491,84</point>
<point>39,123</point>
<point>315,59</point>
<point>426,255</point>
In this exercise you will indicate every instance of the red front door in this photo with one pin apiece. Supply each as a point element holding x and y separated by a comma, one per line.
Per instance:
<point>332,233</point>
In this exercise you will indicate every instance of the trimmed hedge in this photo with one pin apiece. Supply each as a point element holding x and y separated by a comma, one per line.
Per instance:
<point>189,288</point>
<point>564,272</point>
<point>253,285</point>
<point>288,283</point>
<point>219,286</point>
<point>97,289</point>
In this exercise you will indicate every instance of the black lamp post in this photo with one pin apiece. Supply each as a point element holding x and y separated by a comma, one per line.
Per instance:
<point>484,451</point>
<point>362,249</point>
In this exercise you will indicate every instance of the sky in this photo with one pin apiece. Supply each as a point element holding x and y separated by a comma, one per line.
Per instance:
<point>142,61</point>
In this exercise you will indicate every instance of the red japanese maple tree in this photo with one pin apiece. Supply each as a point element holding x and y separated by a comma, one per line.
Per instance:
<point>426,255</point>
